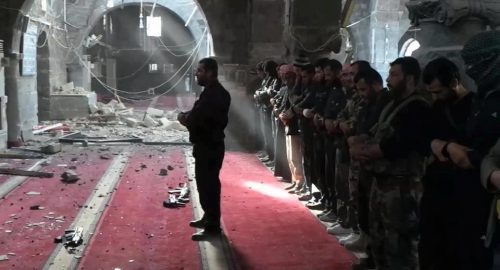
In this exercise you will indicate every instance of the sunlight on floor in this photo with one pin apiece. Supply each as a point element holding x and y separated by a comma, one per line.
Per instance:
<point>267,190</point>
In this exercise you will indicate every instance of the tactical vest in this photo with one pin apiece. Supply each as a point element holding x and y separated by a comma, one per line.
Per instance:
<point>414,164</point>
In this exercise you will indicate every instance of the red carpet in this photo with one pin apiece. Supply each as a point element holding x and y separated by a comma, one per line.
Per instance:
<point>269,228</point>
<point>33,245</point>
<point>136,232</point>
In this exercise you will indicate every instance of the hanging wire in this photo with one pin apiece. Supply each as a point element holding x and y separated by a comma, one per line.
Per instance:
<point>190,58</point>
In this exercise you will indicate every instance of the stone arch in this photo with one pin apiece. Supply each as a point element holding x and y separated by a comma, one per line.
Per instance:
<point>192,14</point>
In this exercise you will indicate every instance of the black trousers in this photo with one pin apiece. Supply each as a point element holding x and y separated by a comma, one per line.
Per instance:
<point>330,173</point>
<point>319,179</point>
<point>453,214</point>
<point>363,207</point>
<point>307,145</point>
<point>208,162</point>
<point>266,129</point>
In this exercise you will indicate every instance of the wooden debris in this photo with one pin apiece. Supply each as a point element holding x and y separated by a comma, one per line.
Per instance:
<point>12,171</point>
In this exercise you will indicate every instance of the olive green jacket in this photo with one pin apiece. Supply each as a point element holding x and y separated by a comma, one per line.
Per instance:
<point>490,164</point>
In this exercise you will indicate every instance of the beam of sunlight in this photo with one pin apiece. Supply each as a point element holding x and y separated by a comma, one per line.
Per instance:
<point>266,189</point>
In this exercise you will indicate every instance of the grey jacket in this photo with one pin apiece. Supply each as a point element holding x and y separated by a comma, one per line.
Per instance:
<point>490,164</point>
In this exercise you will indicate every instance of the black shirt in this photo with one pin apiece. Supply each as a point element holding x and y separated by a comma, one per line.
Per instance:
<point>336,101</point>
<point>370,112</point>
<point>411,127</point>
<point>320,99</point>
<point>449,120</point>
<point>483,126</point>
<point>209,117</point>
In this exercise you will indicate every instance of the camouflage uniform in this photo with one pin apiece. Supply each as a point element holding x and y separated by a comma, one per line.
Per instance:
<point>349,116</point>
<point>394,195</point>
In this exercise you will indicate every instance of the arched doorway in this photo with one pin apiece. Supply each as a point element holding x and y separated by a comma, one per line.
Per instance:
<point>43,77</point>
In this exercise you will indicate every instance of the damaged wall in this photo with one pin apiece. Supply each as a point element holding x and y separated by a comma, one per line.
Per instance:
<point>23,17</point>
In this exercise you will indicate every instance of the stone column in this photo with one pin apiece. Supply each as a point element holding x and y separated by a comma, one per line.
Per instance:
<point>443,27</point>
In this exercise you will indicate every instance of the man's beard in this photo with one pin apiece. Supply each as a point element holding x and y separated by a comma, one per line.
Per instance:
<point>397,90</point>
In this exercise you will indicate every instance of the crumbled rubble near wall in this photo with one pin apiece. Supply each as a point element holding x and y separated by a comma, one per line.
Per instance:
<point>115,120</point>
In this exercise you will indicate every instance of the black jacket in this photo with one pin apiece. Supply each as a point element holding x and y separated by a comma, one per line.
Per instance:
<point>209,117</point>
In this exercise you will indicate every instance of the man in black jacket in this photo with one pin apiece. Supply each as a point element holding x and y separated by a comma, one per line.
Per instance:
<point>206,123</point>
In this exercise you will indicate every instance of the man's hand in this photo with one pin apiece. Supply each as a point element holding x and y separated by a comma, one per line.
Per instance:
<point>182,118</point>
<point>345,128</point>
<point>331,126</point>
<point>458,154</point>
<point>437,149</point>
<point>308,113</point>
<point>358,152</point>
<point>298,110</point>
<point>495,179</point>
<point>356,140</point>
<point>319,121</point>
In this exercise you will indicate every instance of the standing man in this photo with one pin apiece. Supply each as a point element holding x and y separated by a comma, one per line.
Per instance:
<point>206,123</point>
<point>396,156</point>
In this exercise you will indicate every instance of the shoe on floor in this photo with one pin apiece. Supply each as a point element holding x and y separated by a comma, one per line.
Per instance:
<point>329,217</point>
<point>348,238</point>
<point>305,197</point>
<point>324,212</point>
<point>338,230</point>
<point>313,205</point>
<point>291,186</point>
<point>200,223</point>
<point>206,234</point>
<point>358,243</point>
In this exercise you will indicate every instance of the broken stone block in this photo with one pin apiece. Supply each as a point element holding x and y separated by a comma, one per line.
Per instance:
<point>170,168</point>
<point>155,112</point>
<point>70,176</point>
<point>105,157</point>
<point>68,87</point>
<point>33,193</point>
<point>149,121</point>
<point>3,258</point>
<point>36,207</point>
<point>51,148</point>
<point>131,122</point>
<point>163,172</point>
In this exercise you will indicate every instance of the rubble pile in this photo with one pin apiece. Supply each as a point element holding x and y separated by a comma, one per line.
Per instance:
<point>70,89</point>
<point>114,120</point>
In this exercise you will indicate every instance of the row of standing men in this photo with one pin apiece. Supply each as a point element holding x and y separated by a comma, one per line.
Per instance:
<point>396,171</point>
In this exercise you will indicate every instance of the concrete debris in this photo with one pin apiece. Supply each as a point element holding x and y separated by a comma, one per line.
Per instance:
<point>51,148</point>
<point>70,176</point>
<point>163,172</point>
<point>33,193</point>
<point>149,121</point>
<point>155,112</point>
<point>11,254</point>
<point>36,207</point>
<point>105,157</point>
<point>3,258</point>
<point>171,125</point>
<point>35,224</point>
<point>8,231</point>
<point>131,122</point>
<point>67,87</point>
<point>51,213</point>
<point>8,222</point>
